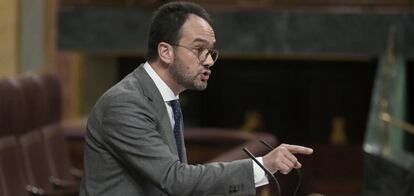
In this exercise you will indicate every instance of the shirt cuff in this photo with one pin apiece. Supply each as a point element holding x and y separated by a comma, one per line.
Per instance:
<point>260,178</point>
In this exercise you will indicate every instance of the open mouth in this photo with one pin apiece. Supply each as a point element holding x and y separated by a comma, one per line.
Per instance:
<point>205,75</point>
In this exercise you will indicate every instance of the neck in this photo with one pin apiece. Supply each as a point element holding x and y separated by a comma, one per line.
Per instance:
<point>161,69</point>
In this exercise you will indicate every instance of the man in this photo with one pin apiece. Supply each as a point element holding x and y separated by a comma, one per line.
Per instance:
<point>134,144</point>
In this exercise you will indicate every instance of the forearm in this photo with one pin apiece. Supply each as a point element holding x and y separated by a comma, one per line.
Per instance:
<point>234,178</point>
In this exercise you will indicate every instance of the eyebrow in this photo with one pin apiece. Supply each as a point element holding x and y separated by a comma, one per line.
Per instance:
<point>202,40</point>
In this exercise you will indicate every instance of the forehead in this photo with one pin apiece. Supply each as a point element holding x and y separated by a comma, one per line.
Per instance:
<point>196,29</point>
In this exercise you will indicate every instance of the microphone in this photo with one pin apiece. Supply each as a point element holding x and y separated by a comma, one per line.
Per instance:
<point>264,169</point>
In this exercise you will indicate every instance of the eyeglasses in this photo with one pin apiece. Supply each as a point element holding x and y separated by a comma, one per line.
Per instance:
<point>201,53</point>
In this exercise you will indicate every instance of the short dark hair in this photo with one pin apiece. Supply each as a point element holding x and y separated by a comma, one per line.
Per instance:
<point>167,21</point>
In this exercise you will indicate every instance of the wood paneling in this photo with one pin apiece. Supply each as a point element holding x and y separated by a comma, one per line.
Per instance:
<point>9,32</point>
<point>68,68</point>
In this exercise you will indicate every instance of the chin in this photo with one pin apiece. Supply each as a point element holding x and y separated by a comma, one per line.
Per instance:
<point>200,87</point>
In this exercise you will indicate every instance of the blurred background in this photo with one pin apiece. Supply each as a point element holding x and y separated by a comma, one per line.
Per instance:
<point>335,75</point>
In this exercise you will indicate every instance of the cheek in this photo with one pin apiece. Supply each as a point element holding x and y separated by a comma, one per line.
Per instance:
<point>188,65</point>
<point>194,69</point>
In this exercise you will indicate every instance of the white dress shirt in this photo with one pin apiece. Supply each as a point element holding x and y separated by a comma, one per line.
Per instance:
<point>168,95</point>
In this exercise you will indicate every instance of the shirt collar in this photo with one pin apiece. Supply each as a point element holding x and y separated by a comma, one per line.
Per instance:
<point>166,93</point>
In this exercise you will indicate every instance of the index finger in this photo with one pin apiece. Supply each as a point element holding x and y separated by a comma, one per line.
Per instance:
<point>296,149</point>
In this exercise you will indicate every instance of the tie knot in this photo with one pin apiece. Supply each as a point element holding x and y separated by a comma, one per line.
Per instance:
<point>175,103</point>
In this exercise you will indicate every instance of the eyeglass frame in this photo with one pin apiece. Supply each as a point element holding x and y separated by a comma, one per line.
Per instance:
<point>200,51</point>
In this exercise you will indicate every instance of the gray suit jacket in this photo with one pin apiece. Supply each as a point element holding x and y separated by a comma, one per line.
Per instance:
<point>130,150</point>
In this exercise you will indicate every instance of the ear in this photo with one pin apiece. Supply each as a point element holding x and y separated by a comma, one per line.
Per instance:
<point>165,52</point>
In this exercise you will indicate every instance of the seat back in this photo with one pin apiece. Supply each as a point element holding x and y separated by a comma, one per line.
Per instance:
<point>5,107</point>
<point>12,115</point>
<point>34,95</point>
<point>2,191</point>
<point>53,97</point>
<point>35,159</point>
<point>44,148</point>
<point>11,107</point>
<point>57,152</point>
<point>12,175</point>
<point>2,181</point>
<point>55,143</point>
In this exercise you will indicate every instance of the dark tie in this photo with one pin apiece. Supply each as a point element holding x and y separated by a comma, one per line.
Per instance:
<point>177,128</point>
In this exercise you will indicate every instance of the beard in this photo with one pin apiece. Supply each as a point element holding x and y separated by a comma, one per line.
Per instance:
<point>185,77</point>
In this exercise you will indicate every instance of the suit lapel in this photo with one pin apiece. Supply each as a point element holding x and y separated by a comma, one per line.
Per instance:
<point>154,97</point>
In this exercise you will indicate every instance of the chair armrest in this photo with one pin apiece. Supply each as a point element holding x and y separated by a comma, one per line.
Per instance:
<point>60,184</point>
<point>36,191</point>
<point>77,173</point>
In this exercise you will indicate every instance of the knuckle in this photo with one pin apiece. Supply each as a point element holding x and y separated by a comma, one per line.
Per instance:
<point>294,159</point>
<point>279,152</point>
<point>278,162</point>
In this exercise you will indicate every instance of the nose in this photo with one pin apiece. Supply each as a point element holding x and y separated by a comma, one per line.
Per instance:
<point>208,62</point>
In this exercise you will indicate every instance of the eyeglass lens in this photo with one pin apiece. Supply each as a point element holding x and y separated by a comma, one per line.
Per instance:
<point>204,55</point>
